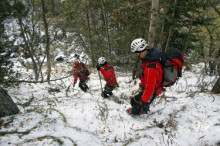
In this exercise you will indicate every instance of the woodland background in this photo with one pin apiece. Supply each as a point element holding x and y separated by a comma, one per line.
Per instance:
<point>39,106</point>
<point>105,28</point>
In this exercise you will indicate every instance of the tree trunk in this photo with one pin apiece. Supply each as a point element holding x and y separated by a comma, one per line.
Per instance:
<point>29,49</point>
<point>216,87</point>
<point>107,30</point>
<point>212,62</point>
<point>153,19</point>
<point>161,35</point>
<point>7,106</point>
<point>135,70</point>
<point>90,34</point>
<point>188,34</point>
<point>47,40</point>
<point>171,28</point>
<point>218,56</point>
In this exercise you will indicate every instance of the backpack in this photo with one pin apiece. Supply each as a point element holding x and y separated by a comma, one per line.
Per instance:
<point>172,64</point>
<point>81,69</point>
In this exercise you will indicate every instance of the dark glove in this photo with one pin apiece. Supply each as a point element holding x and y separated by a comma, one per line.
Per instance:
<point>134,100</point>
<point>76,55</point>
<point>73,85</point>
<point>98,67</point>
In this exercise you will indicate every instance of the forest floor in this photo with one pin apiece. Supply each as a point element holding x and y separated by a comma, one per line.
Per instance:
<point>59,114</point>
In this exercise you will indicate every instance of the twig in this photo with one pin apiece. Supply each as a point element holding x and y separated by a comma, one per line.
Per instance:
<point>24,81</point>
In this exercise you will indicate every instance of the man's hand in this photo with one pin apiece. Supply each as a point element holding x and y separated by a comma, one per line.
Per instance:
<point>98,67</point>
<point>73,85</point>
<point>77,56</point>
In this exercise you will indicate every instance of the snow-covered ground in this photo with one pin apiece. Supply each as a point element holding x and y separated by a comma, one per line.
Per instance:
<point>60,114</point>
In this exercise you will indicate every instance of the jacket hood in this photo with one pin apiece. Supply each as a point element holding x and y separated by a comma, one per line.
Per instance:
<point>153,55</point>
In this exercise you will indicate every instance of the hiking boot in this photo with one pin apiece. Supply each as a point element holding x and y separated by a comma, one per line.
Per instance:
<point>83,88</point>
<point>110,93</point>
<point>146,108</point>
<point>104,94</point>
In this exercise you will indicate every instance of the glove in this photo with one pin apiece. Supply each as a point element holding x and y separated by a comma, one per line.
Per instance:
<point>98,67</point>
<point>76,55</point>
<point>73,85</point>
<point>134,100</point>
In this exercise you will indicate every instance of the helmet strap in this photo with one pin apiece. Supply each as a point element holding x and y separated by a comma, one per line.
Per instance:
<point>140,51</point>
<point>104,64</point>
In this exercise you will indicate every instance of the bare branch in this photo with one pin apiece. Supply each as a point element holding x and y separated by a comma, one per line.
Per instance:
<point>24,81</point>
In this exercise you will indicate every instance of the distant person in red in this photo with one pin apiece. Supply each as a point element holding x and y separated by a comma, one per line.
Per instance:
<point>108,73</point>
<point>81,72</point>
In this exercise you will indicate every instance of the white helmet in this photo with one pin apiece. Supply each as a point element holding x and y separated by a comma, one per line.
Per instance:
<point>138,45</point>
<point>101,60</point>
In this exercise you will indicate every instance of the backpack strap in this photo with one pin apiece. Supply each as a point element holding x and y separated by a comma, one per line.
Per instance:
<point>108,69</point>
<point>153,65</point>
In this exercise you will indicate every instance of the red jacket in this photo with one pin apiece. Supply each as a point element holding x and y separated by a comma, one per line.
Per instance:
<point>108,73</point>
<point>151,79</point>
<point>81,72</point>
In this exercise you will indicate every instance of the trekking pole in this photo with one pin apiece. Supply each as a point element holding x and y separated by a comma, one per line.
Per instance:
<point>122,94</point>
<point>100,81</point>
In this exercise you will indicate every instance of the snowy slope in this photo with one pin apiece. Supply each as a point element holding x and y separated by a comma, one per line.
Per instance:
<point>60,114</point>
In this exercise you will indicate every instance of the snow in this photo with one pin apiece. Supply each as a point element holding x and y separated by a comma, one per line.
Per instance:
<point>68,116</point>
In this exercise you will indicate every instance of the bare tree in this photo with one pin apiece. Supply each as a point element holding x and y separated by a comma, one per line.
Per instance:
<point>28,47</point>
<point>171,27</point>
<point>189,32</point>
<point>153,19</point>
<point>88,17</point>
<point>7,106</point>
<point>107,30</point>
<point>47,39</point>
<point>216,87</point>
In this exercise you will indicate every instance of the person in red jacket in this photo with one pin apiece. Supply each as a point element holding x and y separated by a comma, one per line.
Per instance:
<point>151,77</point>
<point>108,73</point>
<point>81,72</point>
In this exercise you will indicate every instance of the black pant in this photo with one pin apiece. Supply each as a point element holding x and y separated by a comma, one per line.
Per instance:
<point>108,90</point>
<point>83,86</point>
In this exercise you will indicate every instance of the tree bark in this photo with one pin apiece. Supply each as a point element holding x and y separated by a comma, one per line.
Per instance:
<point>47,40</point>
<point>7,106</point>
<point>212,62</point>
<point>188,34</point>
<point>171,27</point>
<point>29,49</point>
<point>107,30</point>
<point>153,19</point>
<point>90,33</point>
<point>216,87</point>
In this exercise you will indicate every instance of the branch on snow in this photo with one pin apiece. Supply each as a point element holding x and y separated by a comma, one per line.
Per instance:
<point>25,81</point>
